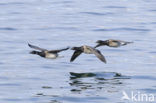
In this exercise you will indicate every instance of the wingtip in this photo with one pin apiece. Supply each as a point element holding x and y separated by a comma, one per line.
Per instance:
<point>29,44</point>
<point>97,41</point>
<point>105,62</point>
<point>71,60</point>
<point>68,47</point>
<point>95,46</point>
<point>98,45</point>
<point>130,42</point>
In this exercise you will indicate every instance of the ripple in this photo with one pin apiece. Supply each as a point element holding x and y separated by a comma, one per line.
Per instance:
<point>1,63</point>
<point>138,49</point>
<point>10,84</point>
<point>47,67</point>
<point>12,3</point>
<point>82,99</point>
<point>12,99</point>
<point>46,87</point>
<point>120,7</point>
<point>55,101</point>
<point>57,28</point>
<point>15,13</point>
<point>62,2</point>
<point>42,94</point>
<point>4,78</point>
<point>152,10</point>
<point>144,77</point>
<point>96,13</point>
<point>149,90</point>
<point>7,28</point>
<point>123,29</point>
<point>153,23</point>
<point>152,52</point>
<point>116,50</point>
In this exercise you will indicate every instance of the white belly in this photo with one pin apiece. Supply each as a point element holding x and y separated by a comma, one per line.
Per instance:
<point>51,56</point>
<point>87,51</point>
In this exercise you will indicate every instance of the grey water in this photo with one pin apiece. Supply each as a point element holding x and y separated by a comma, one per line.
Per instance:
<point>55,24</point>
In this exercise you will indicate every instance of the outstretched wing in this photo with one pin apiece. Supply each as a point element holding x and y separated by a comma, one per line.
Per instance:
<point>125,43</point>
<point>98,54</point>
<point>36,47</point>
<point>59,50</point>
<point>75,55</point>
<point>120,42</point>
<point>98,45</point>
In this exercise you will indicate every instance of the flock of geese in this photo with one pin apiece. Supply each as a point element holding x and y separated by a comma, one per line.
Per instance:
<point>53,54</point>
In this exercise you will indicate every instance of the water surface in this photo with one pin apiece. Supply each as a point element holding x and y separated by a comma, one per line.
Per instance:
<point>53,24</point>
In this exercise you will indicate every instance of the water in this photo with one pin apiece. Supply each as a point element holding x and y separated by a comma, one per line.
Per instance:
<point>53,24</point>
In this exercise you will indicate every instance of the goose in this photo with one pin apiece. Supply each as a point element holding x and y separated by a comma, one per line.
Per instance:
<point>87,50</point>
<point>50,54</point>
<point>111,43</point>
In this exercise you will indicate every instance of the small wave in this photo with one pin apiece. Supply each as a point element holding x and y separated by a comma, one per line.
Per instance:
<point>153,22</point>
<point>12,99</point>
<point>46,87</point>
<point>96,13</point>
<point>152,52</point>
<point>12,3</point>
<point>153,10</point>
<point>149,90</point>
<point>72,99</point>
<point>122,29</point>
<point>7,28</point>
<point>120,7</point>
<point>62,2</point>
<point>10,84</point>
<point>144,77</point>
<point>56,28</point>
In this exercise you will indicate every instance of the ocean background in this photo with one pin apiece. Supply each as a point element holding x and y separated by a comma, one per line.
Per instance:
<point>55,24</point>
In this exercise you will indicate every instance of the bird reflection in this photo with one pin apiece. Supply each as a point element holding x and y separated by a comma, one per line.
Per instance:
<point>95,81</point>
